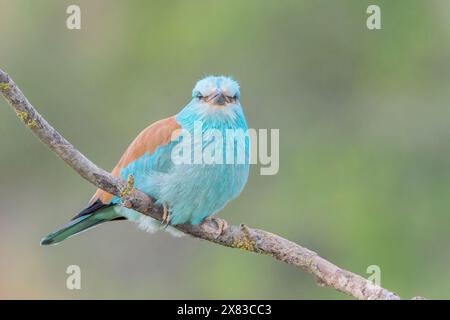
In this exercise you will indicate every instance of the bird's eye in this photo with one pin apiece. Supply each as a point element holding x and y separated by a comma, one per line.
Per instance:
<point>199,96</point>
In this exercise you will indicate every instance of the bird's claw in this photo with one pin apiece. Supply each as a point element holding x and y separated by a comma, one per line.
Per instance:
<point>165,217</point>
<point>223,225</point>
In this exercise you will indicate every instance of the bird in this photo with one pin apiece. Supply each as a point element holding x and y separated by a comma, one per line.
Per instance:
<point>162,162</point>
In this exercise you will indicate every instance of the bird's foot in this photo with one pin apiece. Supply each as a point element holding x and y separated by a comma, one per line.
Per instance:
<point>223,225</point>
<point>165,217</point>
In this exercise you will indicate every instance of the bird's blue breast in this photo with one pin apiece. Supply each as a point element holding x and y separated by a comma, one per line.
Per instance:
<point>194,191</point>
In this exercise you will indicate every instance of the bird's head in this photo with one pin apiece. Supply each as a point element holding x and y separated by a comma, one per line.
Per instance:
<point>216,91</point>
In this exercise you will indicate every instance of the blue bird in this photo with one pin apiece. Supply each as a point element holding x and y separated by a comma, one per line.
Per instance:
<point>185,162</point>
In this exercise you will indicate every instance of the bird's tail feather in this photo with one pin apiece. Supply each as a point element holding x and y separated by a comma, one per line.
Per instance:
<point>80,224</point>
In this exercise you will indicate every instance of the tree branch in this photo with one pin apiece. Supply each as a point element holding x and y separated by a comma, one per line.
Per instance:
<point>242,237</point>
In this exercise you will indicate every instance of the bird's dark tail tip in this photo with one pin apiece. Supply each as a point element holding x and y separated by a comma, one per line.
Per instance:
<point>47,241</point>
<point>72,228</point>
<point>90,217</point>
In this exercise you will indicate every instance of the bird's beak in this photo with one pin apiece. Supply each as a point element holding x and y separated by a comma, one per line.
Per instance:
<point>218,98</point>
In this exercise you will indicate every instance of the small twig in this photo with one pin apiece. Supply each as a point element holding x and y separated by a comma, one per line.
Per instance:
<point>242,237</point>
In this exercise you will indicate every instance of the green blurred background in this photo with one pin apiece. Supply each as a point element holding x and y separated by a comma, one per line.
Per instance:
<point>364,141</point>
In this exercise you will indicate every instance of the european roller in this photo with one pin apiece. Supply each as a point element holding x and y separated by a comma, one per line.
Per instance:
<point>191,177</point>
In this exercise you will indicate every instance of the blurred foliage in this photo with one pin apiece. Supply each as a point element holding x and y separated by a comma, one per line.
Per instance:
<point>364,124</point>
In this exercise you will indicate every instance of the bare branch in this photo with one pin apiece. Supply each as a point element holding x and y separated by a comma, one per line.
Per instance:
<point>241,237</point>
